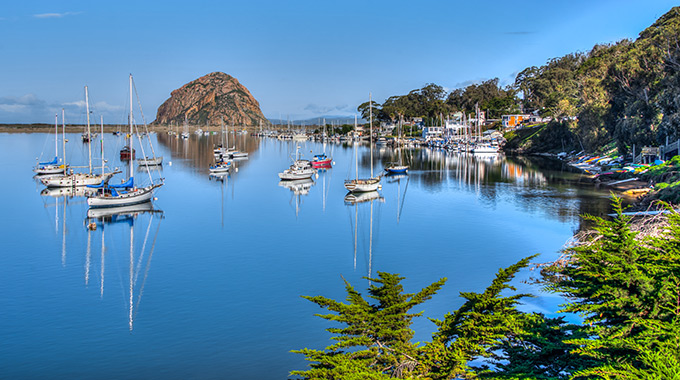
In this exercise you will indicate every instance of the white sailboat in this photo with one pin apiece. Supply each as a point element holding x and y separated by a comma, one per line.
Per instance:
<point>360,185</point>
<point>126,193</point>
<point>53,167</point>
<point>82,179</point>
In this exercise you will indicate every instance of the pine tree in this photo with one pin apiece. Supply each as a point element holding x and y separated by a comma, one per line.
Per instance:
<point>474,331</point>
<point>375,340</point>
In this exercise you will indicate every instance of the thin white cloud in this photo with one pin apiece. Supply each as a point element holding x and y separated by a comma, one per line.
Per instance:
<point>55,15</point>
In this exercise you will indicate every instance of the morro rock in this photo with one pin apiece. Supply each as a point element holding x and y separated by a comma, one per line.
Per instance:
<point>209,100</point>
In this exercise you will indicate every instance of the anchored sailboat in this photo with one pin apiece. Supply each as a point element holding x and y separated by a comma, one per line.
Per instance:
<point>53,167</point>
<point>359,185</point>
<point>82,179</point>
<point>126,193</point>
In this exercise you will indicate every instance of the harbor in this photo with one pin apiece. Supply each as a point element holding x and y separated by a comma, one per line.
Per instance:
<point>212,270</point>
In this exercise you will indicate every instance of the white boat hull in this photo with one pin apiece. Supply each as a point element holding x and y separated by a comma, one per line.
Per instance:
<point>149,161</point>
<point>362,185</point>
<point>291,174</point>
<point>50,169</point>
<point>131,197</point>
<point>75,180</point>
<point>485,150</point>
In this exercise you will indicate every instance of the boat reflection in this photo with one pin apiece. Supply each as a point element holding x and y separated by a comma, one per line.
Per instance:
<point>298,187</point>
<point>125,217</point>
<point>58,192</point>
<point>354,199</point>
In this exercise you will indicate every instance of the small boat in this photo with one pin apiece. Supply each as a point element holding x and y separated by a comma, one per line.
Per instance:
<point>53,167</point>
<point>220,167</point>
<point>125,154</point>
<point>150,161</point>
<point>300,169</point>
<point>395,168</point>
<point>321,161</point>
<point>485,149</point>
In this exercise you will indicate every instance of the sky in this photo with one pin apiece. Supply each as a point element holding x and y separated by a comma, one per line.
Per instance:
<point>299,59</point>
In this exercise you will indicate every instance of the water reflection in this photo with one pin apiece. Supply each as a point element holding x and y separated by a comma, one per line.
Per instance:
<point>365,202</point>
<point>198,151</point>
<point>298,187</point>
<point>120,219</point>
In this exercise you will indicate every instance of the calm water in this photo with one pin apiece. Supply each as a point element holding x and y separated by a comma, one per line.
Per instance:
<point>209,284</point>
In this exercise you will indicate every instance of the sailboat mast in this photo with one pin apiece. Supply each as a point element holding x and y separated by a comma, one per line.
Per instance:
<point>370,128</point>
<point>89,135</point>
<point>101,118</point>
<point>63,135</point>
<point>130,135</point>
<point>56,135</point>
<point>356,156</point>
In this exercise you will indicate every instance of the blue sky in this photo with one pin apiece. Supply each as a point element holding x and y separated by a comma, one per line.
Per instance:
<point>300,59</point>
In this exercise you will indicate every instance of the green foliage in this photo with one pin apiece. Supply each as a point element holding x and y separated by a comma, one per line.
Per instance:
<point>626,288</point>
<point>540,351</point>
<point>378,336</point>
<point>375,338</point>
<point>477,328</point>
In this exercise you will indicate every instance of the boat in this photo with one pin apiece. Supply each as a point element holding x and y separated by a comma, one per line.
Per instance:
<point>321,161</point>
<point>220,167</point>
<point>185,132</point>
<point>150,161</point>
<point>126,193</point>
<point>126,154</point>
<point>485,149</point>
<point>82,179</point>
<point>372,183</point>
<point>394,168</point>
<point>53,167</point>
<point>300,169</point>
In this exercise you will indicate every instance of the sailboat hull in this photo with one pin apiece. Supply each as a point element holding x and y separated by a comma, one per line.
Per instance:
<point>150,161</point>
<point>131,197</point>
<point>362,185</point>
<point>50,169</point>
<point>75,180</point>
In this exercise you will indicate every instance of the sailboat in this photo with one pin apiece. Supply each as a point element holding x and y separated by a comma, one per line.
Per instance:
<point>53,167</point>
<point>359,185</point>
<point>185,132</point>
<point>82,179</point>
<point>300,169</point>
<point>232,152</point>
<point>321,160</point>
<point>393,168</point>
<point>153,160</point>
<point>126,193</point>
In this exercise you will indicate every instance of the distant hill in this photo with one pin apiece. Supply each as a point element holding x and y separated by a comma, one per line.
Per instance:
<point>209,100</point>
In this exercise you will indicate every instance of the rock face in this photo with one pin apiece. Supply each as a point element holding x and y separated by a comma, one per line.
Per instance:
<point>209,100</point>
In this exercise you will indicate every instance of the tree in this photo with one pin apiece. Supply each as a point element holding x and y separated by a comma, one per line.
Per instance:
<point>376,336</point>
